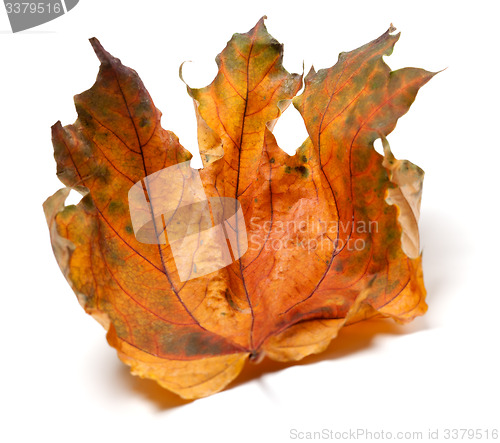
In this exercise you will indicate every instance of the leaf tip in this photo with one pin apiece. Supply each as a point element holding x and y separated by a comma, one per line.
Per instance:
<point>56,128</point>
<point>56,125</point>
<point>438,72</point>
<point>181,73</point>
<point>311,73</point>
<point>102,54</point>
<point>260,24</point>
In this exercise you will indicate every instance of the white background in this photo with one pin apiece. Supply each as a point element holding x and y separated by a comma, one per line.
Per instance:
<point>61,382</point>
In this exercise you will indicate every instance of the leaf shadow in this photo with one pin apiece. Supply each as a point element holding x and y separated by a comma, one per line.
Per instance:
<point>443,253</point>
<point>350,340</point>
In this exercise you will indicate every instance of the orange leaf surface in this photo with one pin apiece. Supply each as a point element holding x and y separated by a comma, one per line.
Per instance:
<point>332,231</point>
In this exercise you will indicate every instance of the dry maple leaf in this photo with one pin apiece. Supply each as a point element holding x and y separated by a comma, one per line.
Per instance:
<point>332,230</point>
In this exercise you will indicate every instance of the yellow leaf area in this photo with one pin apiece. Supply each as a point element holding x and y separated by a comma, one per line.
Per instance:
<point>332,230</point>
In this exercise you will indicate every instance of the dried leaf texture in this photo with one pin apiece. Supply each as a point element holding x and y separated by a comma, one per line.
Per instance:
<point>332,230</point>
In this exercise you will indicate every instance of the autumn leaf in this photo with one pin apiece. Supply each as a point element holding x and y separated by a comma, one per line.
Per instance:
<point>331,231</point>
